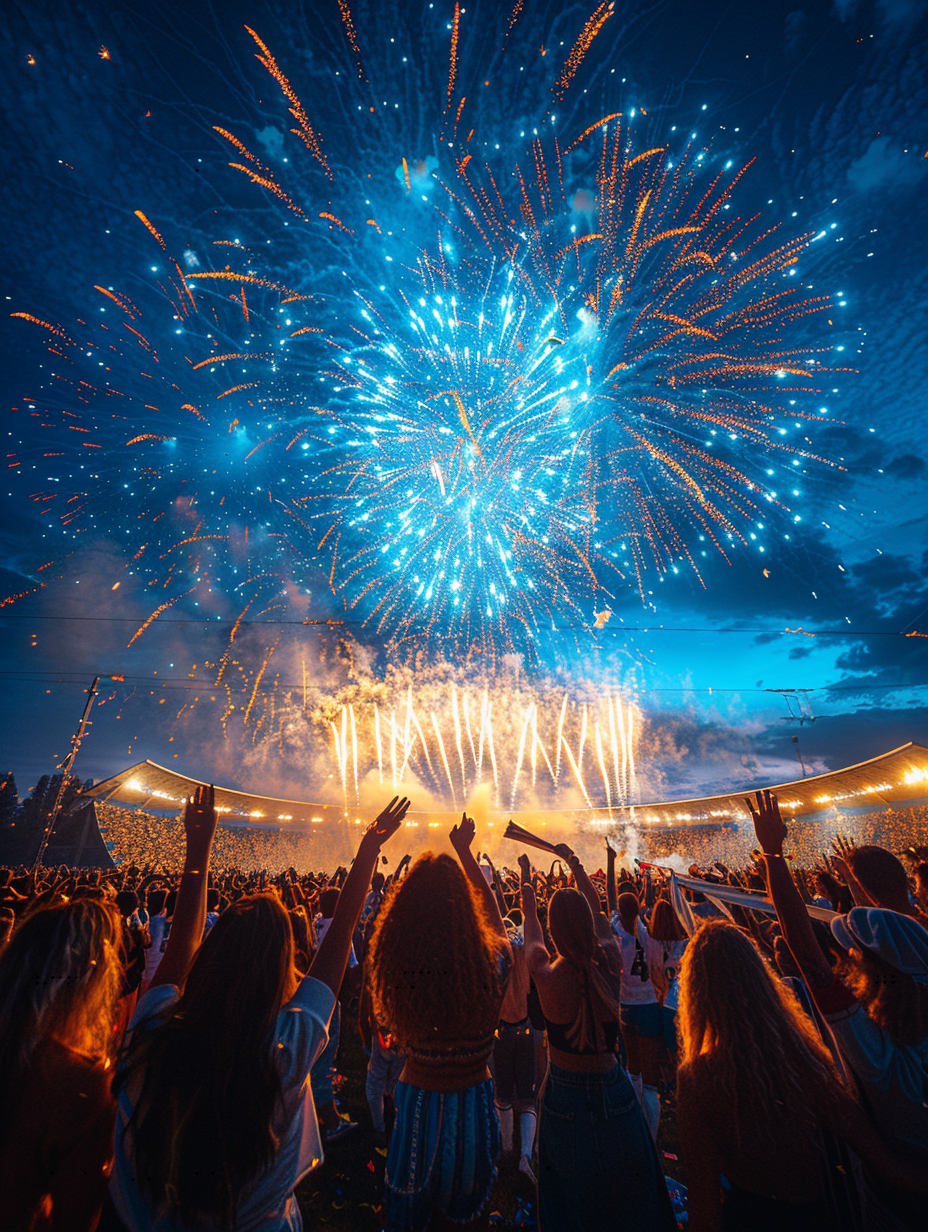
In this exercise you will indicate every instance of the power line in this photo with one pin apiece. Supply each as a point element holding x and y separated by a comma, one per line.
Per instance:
<point>185,684</point>
<point>850,631</point>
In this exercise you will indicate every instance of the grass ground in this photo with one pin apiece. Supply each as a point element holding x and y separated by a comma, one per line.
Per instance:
<point>344,1195</point>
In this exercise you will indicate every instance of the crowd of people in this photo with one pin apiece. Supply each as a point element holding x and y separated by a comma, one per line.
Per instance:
<point>136,837</point>
<point>171,1034</point>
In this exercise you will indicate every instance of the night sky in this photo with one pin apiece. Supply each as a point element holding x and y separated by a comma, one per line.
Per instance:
<point>111,109</point>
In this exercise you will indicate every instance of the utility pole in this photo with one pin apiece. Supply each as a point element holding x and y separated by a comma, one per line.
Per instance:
<point>799,755</point>
<point>65,774</point>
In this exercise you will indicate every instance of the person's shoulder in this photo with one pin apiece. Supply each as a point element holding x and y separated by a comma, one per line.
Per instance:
<point>313,997</point>
<point>155,1003</point>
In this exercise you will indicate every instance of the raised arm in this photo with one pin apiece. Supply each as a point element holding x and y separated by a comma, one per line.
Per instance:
<point>611,899</point>
<point>537,958</point>
<point>331,958</point>
<point>791,910</point>
<point>462,835</point>
<point>588,890</point>
<point>190,911</point>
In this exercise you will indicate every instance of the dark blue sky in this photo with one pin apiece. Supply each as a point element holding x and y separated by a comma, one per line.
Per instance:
<point>830,99</point>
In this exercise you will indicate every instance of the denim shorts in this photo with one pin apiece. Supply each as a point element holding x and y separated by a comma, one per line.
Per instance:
<point>597,1165</point>
<point>643,1020</point>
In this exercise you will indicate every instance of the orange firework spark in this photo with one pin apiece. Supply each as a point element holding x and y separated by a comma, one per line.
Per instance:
<point>271,185</point>
<point>236,388</point>
<point>338,222</point>
<point>594,24</point>
<point>305,132</point>
<point>55,329</point>
<point>352,36</point>
<point>242,149</point>
<point>150,436</point>
<point>151,228</point>
<point>221,359</point>
<point>156,613</point>
<point>251,280</point>
<point>122,301</point>
<point>453,64</point>
<point>254,691</point>
<point>22,594</point>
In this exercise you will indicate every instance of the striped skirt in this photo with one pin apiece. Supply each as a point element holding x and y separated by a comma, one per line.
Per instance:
<point>442,1155</point>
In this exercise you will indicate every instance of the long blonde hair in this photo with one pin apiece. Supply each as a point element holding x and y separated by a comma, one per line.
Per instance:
<point>60,978</point>
<point>766,1062</point>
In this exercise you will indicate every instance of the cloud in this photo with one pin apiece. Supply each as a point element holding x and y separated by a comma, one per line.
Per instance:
<point>906,466</point>
<point>883,165</point>
<point>795,25</point>
<point>893,13</point>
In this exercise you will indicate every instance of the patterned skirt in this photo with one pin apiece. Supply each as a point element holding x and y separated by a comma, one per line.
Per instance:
<point>442,1155</point>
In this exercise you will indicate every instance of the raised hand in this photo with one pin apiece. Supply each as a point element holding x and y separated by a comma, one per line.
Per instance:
<point>200,820</point>
<point>525,869</point>
<point>388,822</point>
<point>462,835</point>
<point>842,847</point>
<point>768,824</point>
<point>842,870</point>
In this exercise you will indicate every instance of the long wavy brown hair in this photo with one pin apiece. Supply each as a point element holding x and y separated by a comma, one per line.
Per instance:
<point>60,978</point>
<point>896,1002</point>
<point>766,1063</point>
<point>570,924</point>
<point>209,1085</point>
<point>435,960</point>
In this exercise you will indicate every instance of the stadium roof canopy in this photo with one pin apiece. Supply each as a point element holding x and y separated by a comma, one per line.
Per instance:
<point>152,786</point>
<point>893,777</point>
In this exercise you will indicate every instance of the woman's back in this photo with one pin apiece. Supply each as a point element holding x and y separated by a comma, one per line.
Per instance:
<point>299,1033</point>
<point>439,976</point>
<point>769,1154</point>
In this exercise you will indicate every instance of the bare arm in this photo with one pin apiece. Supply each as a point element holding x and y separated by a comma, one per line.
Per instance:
<point>190,911</point>
<point>791,910</point>
<point>588,890</point>
<point>859,895</point>
<point>331,958</point>
<point>611,899</point>
<point>537,959</point>
<point>462,835</point>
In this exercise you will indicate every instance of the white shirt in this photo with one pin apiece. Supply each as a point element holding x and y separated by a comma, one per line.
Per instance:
<point>157,927</point>
<point>667,955</point>
<point>268,1203</point>
<point>637,952</point>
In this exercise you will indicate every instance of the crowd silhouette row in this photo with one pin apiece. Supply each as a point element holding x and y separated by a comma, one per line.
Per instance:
<point>170,1031</point>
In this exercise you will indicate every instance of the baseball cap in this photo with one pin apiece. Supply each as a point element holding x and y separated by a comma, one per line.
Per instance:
<point>898,939</point>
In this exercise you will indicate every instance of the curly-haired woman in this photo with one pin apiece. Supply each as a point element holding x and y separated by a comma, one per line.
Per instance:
<point>440,961</point>
<point>60,981</point>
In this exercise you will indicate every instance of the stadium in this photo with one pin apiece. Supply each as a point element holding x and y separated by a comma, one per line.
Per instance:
<point>132,818</point>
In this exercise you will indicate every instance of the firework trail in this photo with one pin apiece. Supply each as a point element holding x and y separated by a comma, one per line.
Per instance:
<point>478,389</point>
